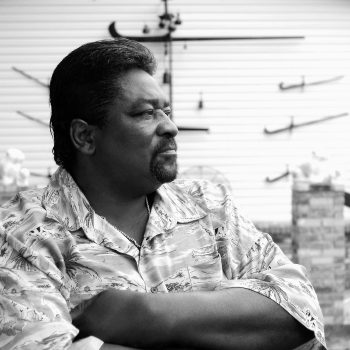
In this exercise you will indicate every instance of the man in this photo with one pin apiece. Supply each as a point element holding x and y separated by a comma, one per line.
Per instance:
<point>115,254</point>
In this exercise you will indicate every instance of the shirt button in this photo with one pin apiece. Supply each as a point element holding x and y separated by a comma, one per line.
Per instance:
<point>153,289</point>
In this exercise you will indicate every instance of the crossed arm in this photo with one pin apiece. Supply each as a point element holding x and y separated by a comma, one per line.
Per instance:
<point>234,318</point>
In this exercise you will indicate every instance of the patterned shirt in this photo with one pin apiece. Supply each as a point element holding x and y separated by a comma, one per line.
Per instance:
<point>56,252</point>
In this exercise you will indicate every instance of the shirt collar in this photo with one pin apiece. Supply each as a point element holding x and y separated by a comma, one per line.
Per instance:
<point>174,203</point>
<point>177,200</point>
<point>65,202</point>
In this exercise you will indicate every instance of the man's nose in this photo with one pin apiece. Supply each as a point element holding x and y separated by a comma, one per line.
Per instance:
<point>167,126</point>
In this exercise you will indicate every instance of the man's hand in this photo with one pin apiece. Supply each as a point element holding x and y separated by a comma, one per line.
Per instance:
<point>113,316</point>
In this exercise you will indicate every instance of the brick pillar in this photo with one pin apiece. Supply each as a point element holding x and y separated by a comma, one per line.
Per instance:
<point>347,278</point>
<point>318,239</point>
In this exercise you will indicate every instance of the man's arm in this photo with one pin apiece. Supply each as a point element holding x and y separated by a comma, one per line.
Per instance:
<point>106,346</point>
<point>234,318</point>
<point>261,299</point>
<point>33,311</point>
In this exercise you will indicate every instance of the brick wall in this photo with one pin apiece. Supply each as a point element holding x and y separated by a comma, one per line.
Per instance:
<point>347,278</point>
<point>318,241</point>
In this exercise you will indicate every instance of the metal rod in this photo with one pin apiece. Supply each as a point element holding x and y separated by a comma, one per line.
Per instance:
<point>171,75</point>
<point>277,178</point>
<point>165,6</point>
<point>303,84</point>
<point>347,199</point>
<point>192,128</point>
<point>29,76</point>
<point>40,175</point>
<point>292,125</point>
<point>236,38</point>
<point>166,37</point>
<point>37,120</point>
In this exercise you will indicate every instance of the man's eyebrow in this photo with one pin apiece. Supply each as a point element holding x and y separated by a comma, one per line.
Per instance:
<point>153,101</point>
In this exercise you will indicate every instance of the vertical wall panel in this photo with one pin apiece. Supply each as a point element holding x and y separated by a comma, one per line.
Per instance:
<point>238,81</point>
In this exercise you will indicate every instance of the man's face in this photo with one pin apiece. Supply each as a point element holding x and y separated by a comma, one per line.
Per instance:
<point>136,147</point>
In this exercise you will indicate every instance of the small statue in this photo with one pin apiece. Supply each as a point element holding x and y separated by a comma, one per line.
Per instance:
<point>317,170</point>
<point>12,174</point>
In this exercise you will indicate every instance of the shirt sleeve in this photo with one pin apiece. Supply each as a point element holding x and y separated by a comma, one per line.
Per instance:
<point>253,261</point>
<point>34,311</point>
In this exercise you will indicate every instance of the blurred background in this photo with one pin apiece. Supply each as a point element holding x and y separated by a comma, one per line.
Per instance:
<point>259,90</point>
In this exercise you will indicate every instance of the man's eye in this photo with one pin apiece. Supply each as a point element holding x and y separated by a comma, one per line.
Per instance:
<point>149,112</point>
<point>167,111</point>
<point>146,113</point>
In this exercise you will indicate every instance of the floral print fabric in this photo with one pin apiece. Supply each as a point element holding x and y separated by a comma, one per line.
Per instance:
<point>56,252</point>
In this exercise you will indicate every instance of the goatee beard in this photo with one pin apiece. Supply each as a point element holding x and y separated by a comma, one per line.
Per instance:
<point>161,173</point>
<point>164,170</point>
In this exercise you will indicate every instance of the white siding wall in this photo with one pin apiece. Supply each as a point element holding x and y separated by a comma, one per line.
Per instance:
<point>239,81</point>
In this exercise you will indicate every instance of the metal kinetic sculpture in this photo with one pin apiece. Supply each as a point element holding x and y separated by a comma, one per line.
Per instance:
<point>169,22</point>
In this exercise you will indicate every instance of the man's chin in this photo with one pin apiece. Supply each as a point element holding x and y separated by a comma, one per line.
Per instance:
<point>164,172</point>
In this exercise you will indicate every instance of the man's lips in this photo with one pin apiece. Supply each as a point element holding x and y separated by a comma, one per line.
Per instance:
<point>169,148</point>
<point>168,151</point>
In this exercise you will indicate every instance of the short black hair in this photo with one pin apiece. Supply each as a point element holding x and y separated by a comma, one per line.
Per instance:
<point>85,83</point>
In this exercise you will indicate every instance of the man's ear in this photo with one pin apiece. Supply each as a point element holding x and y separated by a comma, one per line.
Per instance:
<point>83,136</point>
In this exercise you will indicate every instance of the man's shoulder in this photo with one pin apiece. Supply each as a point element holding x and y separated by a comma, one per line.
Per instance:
<point>24,209</point>
<point>22,199</point>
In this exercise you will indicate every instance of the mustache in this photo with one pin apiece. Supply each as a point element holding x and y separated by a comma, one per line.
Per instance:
<point>165,145</point>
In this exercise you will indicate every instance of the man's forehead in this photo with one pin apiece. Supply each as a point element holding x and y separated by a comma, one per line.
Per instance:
<point>138,87</point>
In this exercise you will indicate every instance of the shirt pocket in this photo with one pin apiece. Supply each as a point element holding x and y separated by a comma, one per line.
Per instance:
<point>206,271</point>
<point>203,272</point>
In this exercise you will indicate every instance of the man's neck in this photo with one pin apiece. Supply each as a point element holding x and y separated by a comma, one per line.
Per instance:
<point>126,211</point>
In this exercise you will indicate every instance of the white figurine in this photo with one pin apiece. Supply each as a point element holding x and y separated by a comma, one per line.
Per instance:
<point>318,169</point>
<point>11,171</point>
